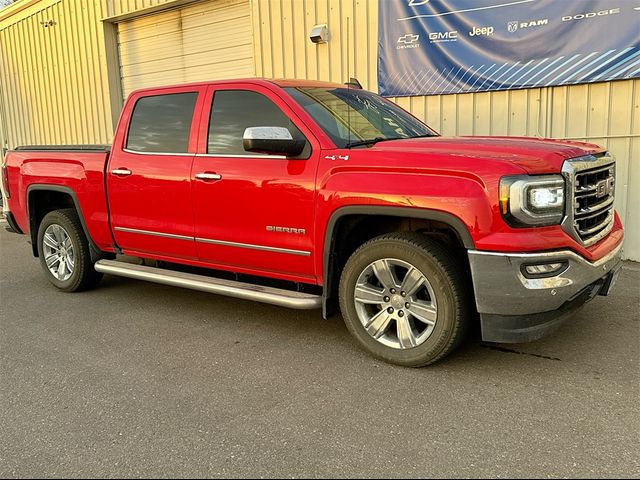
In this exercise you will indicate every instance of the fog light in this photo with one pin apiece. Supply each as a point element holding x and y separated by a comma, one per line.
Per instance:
<point>544,269</point>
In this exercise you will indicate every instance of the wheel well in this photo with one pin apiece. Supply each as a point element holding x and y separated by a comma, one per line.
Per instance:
<point>351,231</point>
<point>40,203</point>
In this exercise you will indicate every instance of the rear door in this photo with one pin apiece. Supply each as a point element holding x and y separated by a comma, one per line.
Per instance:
<point>253,212</point>
<point>148,177</point>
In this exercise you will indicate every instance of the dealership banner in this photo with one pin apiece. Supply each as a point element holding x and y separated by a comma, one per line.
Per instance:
<point>454,46</point>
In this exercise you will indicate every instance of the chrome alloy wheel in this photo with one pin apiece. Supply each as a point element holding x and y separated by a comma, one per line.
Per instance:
<point>395,303</point>
<point>58,252</point>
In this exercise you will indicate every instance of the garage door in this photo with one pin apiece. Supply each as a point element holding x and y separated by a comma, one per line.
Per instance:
<point>209,40</point>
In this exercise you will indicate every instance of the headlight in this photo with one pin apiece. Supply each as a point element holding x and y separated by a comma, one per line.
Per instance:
<point>532,200</point>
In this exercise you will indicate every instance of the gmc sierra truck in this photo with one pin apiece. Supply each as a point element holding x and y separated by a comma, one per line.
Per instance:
<point>317,195</point>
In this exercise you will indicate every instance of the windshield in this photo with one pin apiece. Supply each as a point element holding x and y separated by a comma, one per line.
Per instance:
<point>351,116</point>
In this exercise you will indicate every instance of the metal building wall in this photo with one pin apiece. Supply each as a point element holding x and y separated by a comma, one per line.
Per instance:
<point>55,87</point>
<point>114,8</point>
<point>56,84</point>
<point>197,42</point>
<point>604,113</point>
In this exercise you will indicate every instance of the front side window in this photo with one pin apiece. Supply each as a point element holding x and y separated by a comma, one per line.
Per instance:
<point>233,111</point>
<point>162,123</point>
<point>350,115</point>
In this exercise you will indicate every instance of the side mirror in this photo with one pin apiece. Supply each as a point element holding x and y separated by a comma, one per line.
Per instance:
<point>272,140</point>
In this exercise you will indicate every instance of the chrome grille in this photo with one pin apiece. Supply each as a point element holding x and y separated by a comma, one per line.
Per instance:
<point>591,181</point>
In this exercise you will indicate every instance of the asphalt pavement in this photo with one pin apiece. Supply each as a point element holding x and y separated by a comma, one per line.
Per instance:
<point>136,379</point>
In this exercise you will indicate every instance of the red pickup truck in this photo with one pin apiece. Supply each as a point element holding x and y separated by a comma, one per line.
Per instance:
<point>316,194</point>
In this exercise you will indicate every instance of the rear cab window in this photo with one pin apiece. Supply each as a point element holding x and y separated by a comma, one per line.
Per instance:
<point>161,123</point>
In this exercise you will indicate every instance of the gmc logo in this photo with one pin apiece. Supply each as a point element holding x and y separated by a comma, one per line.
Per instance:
<point>605,187</point>
<point>443,35</point>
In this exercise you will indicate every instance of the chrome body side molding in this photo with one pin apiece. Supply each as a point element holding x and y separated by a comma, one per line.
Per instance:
<point>250,246</point>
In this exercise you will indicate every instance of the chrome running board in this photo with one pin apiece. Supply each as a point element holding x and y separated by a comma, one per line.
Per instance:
<point>247,291</point>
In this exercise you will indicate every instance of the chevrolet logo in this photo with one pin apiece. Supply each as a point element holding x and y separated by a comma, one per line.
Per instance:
<point>408,38</point>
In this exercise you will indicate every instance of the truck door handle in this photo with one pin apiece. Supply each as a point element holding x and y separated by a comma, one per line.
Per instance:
<point>208,176</point>
<point>121,172</point>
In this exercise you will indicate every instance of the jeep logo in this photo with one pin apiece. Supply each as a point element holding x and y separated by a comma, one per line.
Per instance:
<point>477,31</point>
<point>605,187</point>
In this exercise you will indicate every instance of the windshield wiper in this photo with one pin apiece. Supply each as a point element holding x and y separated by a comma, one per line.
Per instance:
<point>370,141</point>
<point>373,141</point>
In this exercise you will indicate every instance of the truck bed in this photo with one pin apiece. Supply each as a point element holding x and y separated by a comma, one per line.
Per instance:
<point>73,170</point>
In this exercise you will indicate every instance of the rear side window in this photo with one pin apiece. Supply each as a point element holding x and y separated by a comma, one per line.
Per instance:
<point>235,110</point>
<point>162,123</point>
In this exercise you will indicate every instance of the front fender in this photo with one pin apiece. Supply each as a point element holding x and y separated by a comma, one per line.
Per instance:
<point>459,201</point>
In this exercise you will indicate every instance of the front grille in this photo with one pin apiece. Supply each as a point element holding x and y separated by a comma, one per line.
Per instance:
<point>590,212</point>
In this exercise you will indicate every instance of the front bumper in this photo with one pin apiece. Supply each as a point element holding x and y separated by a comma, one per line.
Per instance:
<point>514,308</point>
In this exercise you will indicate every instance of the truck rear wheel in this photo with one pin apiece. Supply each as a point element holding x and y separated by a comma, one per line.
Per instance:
<point>64,252</point>
<point>403,297</point>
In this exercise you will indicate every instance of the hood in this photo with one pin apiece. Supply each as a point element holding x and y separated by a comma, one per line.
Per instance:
<point>534,155</point>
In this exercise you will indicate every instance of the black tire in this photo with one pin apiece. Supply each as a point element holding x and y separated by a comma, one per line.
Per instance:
<point>447,279</point>
<point>84,275</point>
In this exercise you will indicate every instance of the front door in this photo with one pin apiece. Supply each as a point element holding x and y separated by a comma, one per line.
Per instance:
<point>253,213</point>
<point>149,175</point>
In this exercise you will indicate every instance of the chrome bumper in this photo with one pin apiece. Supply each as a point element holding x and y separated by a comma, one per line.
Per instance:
<point>501,287</point>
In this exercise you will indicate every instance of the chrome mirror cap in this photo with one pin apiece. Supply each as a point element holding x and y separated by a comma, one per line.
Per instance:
<point>267,133</point>
<point>272,141</point>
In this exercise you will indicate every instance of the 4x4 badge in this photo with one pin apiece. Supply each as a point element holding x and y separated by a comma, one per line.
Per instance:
<point>339,157</point>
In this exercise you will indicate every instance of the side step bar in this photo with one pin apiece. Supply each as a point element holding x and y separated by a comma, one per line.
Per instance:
<point>247,291</point>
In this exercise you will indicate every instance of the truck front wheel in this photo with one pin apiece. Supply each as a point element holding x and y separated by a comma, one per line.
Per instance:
<point>64,252</point>
<point>403,297</point>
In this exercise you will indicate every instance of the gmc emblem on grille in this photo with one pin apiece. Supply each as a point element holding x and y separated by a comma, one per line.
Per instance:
<point>604,187</point>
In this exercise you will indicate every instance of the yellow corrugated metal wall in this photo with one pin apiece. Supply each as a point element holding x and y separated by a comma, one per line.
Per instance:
<point>604,113</point>
<point>114,8</point>
<point>3,121</point>
<point>203,41</point>
<point>57,87</point>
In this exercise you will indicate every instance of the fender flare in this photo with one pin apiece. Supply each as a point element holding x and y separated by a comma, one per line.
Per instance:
<point>425,214</point>
<point>96,253</point>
